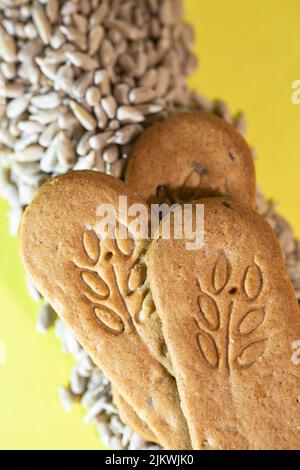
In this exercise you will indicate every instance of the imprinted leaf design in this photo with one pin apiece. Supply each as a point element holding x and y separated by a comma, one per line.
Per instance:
<point>109,319</point>
<point>251,353</point>
<point>251,321</point>
<point>137,276</point>
<point>91,244</point>
<point>208,349</point>
<point>209,312</point>
<point>221,273</point>
<point>253,282</point>
<point>96,284</point>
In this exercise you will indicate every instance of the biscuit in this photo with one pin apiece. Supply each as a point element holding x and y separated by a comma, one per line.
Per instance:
<point>131,419</point>
<point>190,156</point>
<point>86,279</point>
<point>230,319</point>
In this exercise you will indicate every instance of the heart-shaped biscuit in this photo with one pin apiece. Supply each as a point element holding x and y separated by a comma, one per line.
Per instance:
<point>97,287</point>
<point>230,318</point>
<point>190,156</point>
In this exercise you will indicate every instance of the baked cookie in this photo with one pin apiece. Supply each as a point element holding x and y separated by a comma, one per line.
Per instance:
<point>92,283</point>
<point>131,419</point>
<point>230,320</point>
<point>190,156</point>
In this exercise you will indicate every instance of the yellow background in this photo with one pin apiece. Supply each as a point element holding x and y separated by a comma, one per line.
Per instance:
<point>250,55</point>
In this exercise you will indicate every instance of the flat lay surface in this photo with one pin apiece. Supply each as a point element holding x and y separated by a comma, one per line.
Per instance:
<point>249,57</point>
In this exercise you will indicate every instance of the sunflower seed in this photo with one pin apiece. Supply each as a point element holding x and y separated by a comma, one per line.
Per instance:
<point>166,12</point>
<point>81,85</point>
<point>41,22</point>
<point>25,169</point>
<point>102,79</point>
<point>26,140</point>
<point>65,151</point>
<point>66,398</point>
<point>99,162</point>
<point>48,101</point>
<point>75,36</point>
<point>45,319</point>
<point>8,50</point>
<point>83,145</point>
<point>30,50</point>
<point>163,81</point>
<point>116,443</point>
<point>13,127</point>
<point>26,193</point>
<point>11,193</point>
<point>34,293</point>
<point>129,114</point>
<point>12,90</point>
<point>87,162</point>
<point>107,53</point>
<point>17,106</point>
<point>14,218</point>
<point>93,96</point>
<point>222,110</point>
<point>9,26</point>
<point>111,154</point>
<point>80,22</point>
<point>59,56</point>
<point>105,433</point>
<point>149,79</point>
<point>126,134</point>
<point>52,10</point>
<point>149,108</point>
<point>30,31</point>
<point>82,60</point>
<point>46,116</point>
<point>83,116</point>
<point>48,69</point>
<point>70,344</point>
<point>141,95</point>
<point>48,134</point>
<point>94,411</point>
<point>29,127</point>
<point>33,153</point>
<point>109,105</point>
<point>96,36</point>
<point>6,138</point>
<point>8,70</point>
<point>127,64</point>
<point>77,382</point>
<point>121,93</point>
<point>49,158</point>
<point>99,14</point>
<point>240,123</point>
<point>127,29</point>
<point>98,141</point>
<point>64,78</point>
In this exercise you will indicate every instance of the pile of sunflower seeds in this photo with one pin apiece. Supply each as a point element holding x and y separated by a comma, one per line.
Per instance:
<point>79,81</point>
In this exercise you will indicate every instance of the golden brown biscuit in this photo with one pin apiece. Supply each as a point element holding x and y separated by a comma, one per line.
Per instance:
<point>131,419</point>
<point>191,156</point>
<point>230,318</point>
<point>86,280</point>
